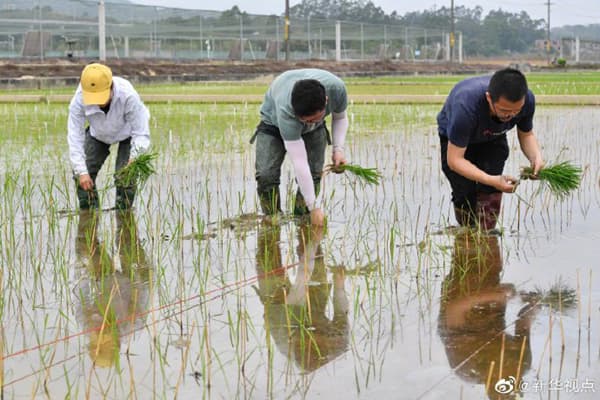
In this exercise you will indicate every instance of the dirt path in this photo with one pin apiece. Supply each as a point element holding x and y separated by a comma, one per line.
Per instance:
<point>33,74</point>
<point>222,70</point>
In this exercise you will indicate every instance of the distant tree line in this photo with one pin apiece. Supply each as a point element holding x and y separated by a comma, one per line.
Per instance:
<point>589,32</point>
<point>497,33</point>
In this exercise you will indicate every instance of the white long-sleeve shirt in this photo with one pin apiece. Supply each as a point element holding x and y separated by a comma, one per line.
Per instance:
<point>127,117</point>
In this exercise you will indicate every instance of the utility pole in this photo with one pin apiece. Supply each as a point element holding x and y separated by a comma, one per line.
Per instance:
<point>41,36</point>
<point>548,42</point>
<point>286,30</point>
<point>101,31</point>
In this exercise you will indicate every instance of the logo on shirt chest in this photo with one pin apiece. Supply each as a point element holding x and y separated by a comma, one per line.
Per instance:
<point>488,132</point>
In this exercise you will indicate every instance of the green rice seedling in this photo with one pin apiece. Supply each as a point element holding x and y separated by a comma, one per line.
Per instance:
<point>202,318</point>
<point>138,171</point>
<point>561,178</point>
<point>370,176</point>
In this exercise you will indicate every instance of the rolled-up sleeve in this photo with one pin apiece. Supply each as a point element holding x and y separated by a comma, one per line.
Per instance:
<point>76,136</point>
<point>138,116</point>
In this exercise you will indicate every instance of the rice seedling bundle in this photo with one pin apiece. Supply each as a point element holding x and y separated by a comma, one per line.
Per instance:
<point>370,176</point>
<point>138,171</point>
<point>561,178</point>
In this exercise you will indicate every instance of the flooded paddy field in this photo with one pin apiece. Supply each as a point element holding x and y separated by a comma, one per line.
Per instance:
<point>194,295</point>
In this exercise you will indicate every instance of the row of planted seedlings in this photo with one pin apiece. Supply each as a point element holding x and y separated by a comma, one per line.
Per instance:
<point>426,262</point>
<point>545,317</point>
<point>176,225</point>
<point>201,252</point>
<point>545,209</point>
<point>39,230</point>
<point>566,136</point>
<point>544,220</point>
<point>174,214</point>
<point>41,226</point>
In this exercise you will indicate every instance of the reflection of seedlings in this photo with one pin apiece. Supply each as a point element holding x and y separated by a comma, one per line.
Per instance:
<point>558,297</point>
<point>200,236</point>
<point>378,240</point>
<point>364,270</point>
<point>241,225</point>
<point>243,222</point>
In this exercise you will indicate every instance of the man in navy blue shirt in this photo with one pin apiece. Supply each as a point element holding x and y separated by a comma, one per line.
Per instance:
<point>472,126</point>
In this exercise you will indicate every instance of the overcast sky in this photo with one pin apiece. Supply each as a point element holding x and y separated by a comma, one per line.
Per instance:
<point>562,12</point>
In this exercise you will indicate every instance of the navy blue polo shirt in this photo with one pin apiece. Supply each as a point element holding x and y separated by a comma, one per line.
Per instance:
<point>466,116</point>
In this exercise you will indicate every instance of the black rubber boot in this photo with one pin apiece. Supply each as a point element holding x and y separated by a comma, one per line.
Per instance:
<point>270,202</point>
<point>464,217</point>
<point>300,207</point>
<point>124,198</point>
<point>87,199</point>
<point>488,209</point>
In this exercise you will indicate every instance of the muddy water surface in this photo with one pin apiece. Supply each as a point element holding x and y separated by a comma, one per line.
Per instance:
<point>196,295</point>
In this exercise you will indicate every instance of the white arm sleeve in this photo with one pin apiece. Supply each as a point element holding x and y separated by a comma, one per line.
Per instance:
<point>137,114</point>
<point>297,153</point>
<point>297,292</point>
<point>76,137</point>
<point>339,127</point>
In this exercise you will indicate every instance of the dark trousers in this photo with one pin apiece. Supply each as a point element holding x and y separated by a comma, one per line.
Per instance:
<point>96,153</point>
<point>490,157</point>
<point>270,152</point>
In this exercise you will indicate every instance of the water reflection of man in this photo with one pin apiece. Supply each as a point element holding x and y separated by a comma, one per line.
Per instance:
<point>472,317</point>
<point>111,298</point>
<point>296,313</point>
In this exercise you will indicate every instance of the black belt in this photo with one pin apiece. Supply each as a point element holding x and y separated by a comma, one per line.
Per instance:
<point>274,131</point>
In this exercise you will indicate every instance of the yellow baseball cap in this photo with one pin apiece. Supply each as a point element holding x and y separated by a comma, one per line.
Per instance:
<point>104,348</point>
<point>96,81</point>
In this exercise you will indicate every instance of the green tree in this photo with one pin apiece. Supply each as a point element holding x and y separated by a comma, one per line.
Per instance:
<point>504,32</point>
<point>346,10</point>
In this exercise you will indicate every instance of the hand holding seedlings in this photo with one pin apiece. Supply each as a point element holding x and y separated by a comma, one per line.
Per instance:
<point>86,182</point>
<point>504,183</point>
<point>367,175</point>
<point>317,218</point>
<point>137,170</point>
<point>536,165</point>
<point>561,178</point>
<point>509,183</point>
<point>338,160</point>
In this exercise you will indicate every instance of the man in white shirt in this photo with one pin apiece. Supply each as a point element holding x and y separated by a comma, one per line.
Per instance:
<point>115,114</point>
<point>293,121</point>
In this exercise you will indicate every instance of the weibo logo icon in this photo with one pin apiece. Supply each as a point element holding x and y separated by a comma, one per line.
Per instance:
<point>504,386</point>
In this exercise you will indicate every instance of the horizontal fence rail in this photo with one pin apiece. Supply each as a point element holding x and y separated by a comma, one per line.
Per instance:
<point>69,28</point>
